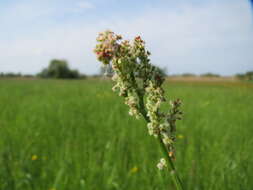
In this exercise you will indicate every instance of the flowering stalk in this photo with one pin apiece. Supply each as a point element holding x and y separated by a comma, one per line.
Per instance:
<point>140,83</point>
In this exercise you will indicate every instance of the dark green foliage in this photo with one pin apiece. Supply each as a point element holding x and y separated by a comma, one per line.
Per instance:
<point>59,69</point>
<point>188,75</point>
<point>209,75</point>
<point>249,75</point>
<point>10,75</point>
<point>245,76</point>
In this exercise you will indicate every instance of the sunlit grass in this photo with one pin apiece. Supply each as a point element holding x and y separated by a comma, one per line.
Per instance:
<point>78,135</point>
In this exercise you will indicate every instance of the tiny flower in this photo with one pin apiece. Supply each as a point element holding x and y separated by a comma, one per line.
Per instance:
<point>135,169</point>
<point>180,136</point>
<point>137,38</point>
<point>34,157</point>
<point>162,164</point>
<point>166,140</point>
<point>171,154</point>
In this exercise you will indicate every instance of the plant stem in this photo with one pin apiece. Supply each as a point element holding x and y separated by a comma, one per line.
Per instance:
<point>173,172</point>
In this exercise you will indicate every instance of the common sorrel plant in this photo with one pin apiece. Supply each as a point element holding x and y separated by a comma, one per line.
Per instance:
<point>140,83</point>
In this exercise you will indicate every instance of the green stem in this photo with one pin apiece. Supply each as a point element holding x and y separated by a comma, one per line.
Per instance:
<point>143,111</point>
<point>173,172</point>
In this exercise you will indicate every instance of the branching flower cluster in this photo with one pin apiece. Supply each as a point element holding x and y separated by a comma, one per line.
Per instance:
<point>140,83</point>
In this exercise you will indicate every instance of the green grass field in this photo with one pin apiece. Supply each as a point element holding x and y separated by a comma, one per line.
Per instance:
<point>73,135</point>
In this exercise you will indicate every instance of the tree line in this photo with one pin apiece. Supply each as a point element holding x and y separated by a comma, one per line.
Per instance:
<point>59,69</point>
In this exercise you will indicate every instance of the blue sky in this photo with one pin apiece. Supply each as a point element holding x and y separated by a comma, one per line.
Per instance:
<point>195,36</point>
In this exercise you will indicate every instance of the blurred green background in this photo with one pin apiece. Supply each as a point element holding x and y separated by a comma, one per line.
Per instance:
<point>72,135</point>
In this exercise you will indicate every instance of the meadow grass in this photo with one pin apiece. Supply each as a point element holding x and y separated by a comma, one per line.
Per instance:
<point>73,135</point>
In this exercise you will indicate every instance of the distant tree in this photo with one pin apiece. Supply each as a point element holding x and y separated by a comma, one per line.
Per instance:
<point>43,74</point>
<point>59,69</point>
<point>188,75</point>
<point>210,75</point>
<point>10,75</point>
<point>27,76</point>
<point>249,75</point>
<point>82,76</point>
<point>240,76</point>
<point>245,76</point>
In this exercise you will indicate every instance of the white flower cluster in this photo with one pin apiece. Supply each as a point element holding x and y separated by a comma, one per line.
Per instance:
<point>154,100</point>
<point>162,164</point>
<point>125,87</point>
<point>140,83</point>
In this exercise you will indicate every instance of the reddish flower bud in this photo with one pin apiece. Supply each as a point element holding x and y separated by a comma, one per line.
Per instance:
<point>138,38</point>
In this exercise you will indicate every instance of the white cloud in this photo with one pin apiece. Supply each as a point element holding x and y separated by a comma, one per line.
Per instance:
<point>214,37</point>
